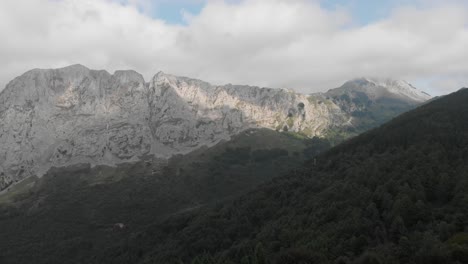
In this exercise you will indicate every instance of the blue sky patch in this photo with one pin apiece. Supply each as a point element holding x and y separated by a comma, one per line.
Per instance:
<point>172,12</point>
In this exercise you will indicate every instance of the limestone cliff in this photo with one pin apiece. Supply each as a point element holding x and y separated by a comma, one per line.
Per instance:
<point>59,117</point>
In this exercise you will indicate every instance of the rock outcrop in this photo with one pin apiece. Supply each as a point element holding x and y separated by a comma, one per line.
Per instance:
<point>59,117</point>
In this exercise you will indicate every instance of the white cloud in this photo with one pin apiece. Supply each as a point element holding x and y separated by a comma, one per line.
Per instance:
<point>277,43</point>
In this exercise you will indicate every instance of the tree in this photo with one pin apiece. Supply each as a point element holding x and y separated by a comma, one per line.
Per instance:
<point>260,257</point>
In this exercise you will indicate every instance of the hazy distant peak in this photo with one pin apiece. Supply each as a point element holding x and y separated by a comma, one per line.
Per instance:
<point>399,88</point>
<point>76,67</point>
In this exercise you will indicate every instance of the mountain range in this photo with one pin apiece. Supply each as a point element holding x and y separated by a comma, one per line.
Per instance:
<point>396,193</point>
<point>74,115</point>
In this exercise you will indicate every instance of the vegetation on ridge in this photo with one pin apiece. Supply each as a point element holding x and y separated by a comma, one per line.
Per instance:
<point>73,215</point>
<point>397,194</point>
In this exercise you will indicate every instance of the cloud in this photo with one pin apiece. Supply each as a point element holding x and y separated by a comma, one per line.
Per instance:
<point>277,43</point>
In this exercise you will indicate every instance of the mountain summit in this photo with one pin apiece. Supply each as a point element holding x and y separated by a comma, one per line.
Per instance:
<point>386,87</point>
<point>60,117</point>
<point>374,101</point>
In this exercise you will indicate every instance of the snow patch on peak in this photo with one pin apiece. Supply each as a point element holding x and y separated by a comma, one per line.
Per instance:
<point>400,88</point>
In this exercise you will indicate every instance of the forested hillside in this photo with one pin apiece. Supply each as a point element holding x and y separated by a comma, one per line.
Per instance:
<point>78,214</point>
<point>397,194</point>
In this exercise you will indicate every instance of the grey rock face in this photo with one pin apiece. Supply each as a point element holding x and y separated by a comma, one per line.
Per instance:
<point>71,115</point>
<point>60,117</point>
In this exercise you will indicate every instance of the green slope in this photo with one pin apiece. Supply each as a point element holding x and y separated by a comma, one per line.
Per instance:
<point>396,194</point>
<point>70,215</point>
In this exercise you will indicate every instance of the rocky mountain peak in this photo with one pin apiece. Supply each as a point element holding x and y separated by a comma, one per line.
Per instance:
<point>61,117</point>
<point>160,76</point>
<point>385,87</point>
<point>127,76</point>
<point>403,88</point>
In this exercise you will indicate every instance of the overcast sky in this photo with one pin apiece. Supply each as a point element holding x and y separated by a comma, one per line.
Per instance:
<point>307,45</point>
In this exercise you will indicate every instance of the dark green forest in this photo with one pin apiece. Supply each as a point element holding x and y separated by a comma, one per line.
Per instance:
<point>395,194</point>
<point>71,215</point>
